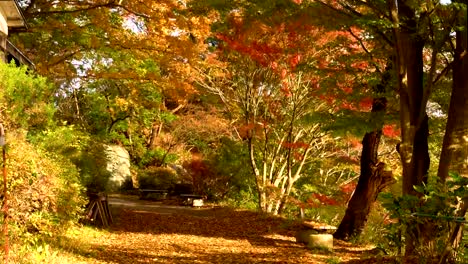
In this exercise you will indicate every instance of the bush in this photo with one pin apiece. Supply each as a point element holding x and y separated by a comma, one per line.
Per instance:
<point>26,97</point>
<point>45,195</point>
<point>224,174</point>
<point>92,164</point>
<point>157,178</point>
<point>157,157</point>
<point>77,147</point>
<point>431,219</point>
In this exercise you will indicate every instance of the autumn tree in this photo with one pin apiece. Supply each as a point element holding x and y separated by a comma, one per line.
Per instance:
<point>270,114</point>
<point>373,176</point>
<point>122,67</point>
<point>291,42</point>
<point>347,67</point>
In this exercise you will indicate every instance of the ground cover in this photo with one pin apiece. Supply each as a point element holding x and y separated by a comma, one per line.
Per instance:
<point>152,232</point>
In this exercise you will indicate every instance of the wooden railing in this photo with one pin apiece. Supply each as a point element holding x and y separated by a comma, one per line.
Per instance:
<point>9,52</point>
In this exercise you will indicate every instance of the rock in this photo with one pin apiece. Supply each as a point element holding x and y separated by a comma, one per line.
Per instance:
<point>118,165</point>
<point>321,241</point>
<point>302,236</point>
<point>314,239</point>
<point>197,202</point>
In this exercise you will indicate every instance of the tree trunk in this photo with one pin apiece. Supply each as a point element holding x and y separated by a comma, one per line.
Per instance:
<point>259,182</point>
<point>454,155</point>
<point>413,149</point>
<point>409,43</point>
<point>284,198</point>
<point>155,132</point>
<point>372,181</point>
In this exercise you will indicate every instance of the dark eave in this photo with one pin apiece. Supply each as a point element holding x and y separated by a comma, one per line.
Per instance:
<point>14,15</point>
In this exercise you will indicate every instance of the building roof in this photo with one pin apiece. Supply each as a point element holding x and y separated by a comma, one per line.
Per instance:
<point>13,13</point>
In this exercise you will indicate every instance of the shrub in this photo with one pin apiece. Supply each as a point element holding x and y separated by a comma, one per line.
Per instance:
<point>157,178</point>
<point>431,218</point>
<point>26,97</point>
<point>224,174</point>
<point>45,194</point>
<point>77,147</point>
<point>93,167</point>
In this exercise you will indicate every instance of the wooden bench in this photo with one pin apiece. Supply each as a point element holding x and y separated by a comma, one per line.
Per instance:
<point>146,193</point>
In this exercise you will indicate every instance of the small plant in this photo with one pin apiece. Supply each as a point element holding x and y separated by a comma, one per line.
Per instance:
<point>333,260</point>
<point>432,218</point>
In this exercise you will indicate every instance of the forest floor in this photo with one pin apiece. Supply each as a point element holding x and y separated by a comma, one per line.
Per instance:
<point>153,232</point>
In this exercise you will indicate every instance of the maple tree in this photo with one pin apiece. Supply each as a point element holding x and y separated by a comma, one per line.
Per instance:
<point>272,124</point>
<point>284,47</point>
<point>340,56</point>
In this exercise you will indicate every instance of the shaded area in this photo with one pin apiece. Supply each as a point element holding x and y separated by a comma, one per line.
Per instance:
<point>152,232</point>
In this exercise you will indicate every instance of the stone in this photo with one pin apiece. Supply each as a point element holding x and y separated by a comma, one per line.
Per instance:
<point>302,236</point>
<point>118,165</point>
<point>321,241</point>
<point>197,202</point>
<point>314,239</point>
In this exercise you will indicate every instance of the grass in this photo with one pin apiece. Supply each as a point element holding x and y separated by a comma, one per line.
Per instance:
<point>70,247</point>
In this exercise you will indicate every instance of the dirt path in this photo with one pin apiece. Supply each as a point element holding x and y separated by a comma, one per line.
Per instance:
<point>151,232</point>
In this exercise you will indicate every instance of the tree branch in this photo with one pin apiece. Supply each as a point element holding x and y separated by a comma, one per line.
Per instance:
<point>110,4</point>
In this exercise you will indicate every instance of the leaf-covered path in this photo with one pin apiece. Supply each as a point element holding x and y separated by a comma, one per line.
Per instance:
<point>148,232</point>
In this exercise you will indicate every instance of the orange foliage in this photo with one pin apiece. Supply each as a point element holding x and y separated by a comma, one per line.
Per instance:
<point>317,199</point>
<point>391,131</point>
<point>296,145</point>
<point>366,104</point>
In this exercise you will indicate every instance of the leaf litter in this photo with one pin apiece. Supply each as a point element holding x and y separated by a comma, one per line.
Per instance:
<point>210,235</point>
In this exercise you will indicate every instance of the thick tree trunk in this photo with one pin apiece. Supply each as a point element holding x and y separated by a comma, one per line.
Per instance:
<point>414,120</point>
<point>372,181</point>
<point>413,150</point>
<point>454,155</point>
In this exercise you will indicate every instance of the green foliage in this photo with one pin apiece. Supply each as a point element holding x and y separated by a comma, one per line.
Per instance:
<point>157,178</point>
<point>231,159</point>
<point>245,199</point>
<point>224,174</point>
<point>431,217</point>
<point>44,192</point>
<point>157,156</point>
<point>375,227</point>
<point>81,150</point>
<point>93,167</point>
<point>25,98</point>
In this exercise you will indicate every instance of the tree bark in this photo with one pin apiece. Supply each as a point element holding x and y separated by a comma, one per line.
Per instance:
<point>409,43</point>
<point>454,155</point>
<point>372,181</point>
